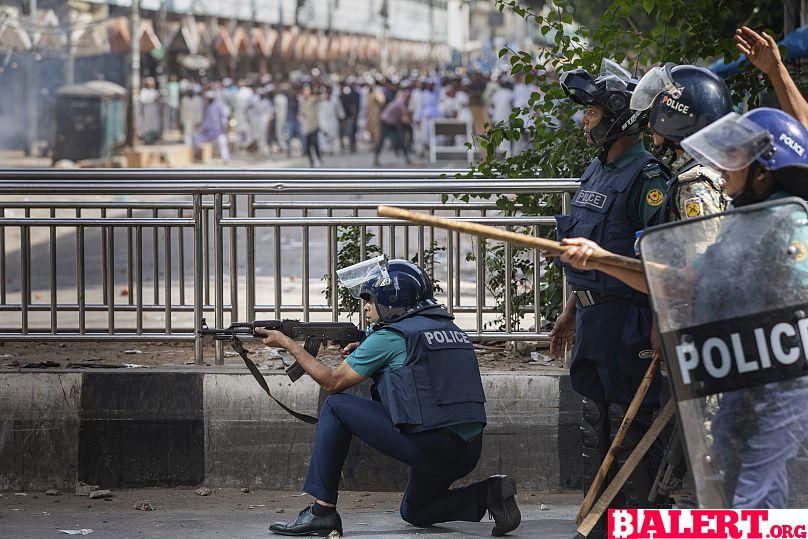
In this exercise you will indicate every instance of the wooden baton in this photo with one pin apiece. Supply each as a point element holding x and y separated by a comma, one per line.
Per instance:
<point>549,247</point>
<point>592,493</point>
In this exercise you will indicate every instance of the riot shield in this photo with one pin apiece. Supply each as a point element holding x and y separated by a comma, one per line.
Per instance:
<point>730,294</point>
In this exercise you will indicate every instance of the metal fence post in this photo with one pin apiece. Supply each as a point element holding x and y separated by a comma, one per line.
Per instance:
<point>218,269</point>
<point>198,278</point>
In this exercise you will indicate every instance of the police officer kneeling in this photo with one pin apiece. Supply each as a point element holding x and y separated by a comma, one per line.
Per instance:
<point>427,410</point>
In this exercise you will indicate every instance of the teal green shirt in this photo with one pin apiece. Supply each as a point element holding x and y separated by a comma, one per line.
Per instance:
<point>648,194</point>
<point>385,348</point>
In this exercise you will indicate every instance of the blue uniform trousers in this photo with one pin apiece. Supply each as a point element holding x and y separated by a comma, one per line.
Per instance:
<point>605,366</point>
<point>757,432</point>
<point>435,461</point>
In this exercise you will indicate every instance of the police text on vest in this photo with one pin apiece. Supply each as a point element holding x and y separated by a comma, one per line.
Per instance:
<point>446,337</point>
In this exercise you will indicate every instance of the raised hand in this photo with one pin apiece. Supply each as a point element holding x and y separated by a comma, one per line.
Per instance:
<point>761,50</point>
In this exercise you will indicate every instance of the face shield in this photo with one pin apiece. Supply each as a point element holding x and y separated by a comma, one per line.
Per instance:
<point>653,83</point>
<point>373,271</point>
<point>611,69</point>
<point>731,143</point>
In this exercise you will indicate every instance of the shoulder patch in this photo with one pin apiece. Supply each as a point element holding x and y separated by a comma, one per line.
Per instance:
<point>699,172</point>
<point>693,208</point>
<point>655,197</point>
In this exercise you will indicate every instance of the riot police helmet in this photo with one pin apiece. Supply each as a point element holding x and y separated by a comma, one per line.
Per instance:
<point>611,91</point>
<point>397,287</point>
<point>682,99</point>
<point>767,138</point>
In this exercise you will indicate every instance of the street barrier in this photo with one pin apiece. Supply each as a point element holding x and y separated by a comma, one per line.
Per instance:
<point>129,255</point>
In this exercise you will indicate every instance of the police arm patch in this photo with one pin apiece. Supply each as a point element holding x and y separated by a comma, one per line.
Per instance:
<point>654,197</point>
<point>693,208</point>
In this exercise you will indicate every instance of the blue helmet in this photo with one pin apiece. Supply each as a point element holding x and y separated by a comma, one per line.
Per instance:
<point>682,99</point>
<point>789,139</point>
<point>768,138</point>
<point>406,290</point>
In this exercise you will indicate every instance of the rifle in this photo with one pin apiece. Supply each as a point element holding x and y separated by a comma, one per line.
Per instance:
<point>312,333</point>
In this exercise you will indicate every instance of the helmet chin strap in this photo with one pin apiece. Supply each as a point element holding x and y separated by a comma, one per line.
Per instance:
<point>667,146</point>
<point>747,195</point>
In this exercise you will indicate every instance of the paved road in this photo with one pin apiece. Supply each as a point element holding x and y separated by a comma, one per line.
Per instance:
<point>229,513</point>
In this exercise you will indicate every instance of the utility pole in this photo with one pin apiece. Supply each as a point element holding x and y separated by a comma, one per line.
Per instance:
<point>33,88</point>
<point>134,73</point>
<point>64,20</point>
<point>162,23</point>
<point>384,12</point>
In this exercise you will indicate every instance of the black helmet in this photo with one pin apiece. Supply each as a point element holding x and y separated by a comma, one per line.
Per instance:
<point>683,99</point>
<point>611,91</point>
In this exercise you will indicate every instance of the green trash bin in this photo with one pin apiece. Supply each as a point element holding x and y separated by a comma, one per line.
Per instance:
<point>90,120</point>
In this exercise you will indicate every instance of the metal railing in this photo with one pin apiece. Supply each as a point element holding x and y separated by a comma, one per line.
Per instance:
<point>77,262</point>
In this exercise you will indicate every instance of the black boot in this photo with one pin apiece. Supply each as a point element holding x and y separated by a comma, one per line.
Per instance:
<point>500,500</point>
<point>307,523</point>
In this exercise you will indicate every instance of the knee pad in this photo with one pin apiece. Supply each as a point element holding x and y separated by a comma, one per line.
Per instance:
<point>594,425</point>
<point>637,488</point>
<point>594,436</point>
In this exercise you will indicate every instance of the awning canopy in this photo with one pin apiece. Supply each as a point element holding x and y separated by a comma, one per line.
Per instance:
<point>223,43</point>
<point>260,42</point>
<point>289,40</point>
<point>119,40</point>
<point>334,46</point>
<point>49,34</point>
<point>147,37</point>
<point>242,42</point>
<point>13,36</point>
<point>273,40</point>
<point>184,38</point>
<point>90,40</point>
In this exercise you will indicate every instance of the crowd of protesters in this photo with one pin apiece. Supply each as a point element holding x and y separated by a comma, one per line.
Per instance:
<point>321,115</point>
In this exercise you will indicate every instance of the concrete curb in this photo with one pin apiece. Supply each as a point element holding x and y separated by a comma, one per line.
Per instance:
<point>174,426</point>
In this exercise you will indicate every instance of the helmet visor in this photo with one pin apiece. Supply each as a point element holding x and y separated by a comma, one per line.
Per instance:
<point>372,271</point>
<point>652,84</point>
<point>731,143</point>
<point>611,69</point>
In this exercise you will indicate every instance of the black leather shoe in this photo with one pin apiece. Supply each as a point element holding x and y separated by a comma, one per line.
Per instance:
<point>501,504</point>
<point>307,523</point>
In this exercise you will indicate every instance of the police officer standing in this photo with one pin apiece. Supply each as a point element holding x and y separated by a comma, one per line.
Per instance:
<point>757,431</point>
<point>682,100</point>
<point>622,191</point>
<point>427,410</point>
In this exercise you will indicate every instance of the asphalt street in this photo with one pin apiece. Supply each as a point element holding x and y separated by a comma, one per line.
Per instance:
<point>231,513</point>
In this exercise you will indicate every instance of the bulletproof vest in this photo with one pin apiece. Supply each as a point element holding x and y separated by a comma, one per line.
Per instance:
<point>599,213</point>
<point>439,383</point>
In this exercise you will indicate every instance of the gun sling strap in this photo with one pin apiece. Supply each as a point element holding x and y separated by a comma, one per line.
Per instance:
<point>239,348</point>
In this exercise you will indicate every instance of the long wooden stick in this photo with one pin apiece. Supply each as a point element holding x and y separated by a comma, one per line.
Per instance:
<point>550,247</point>
<point>592,494</point>
<point>626,470</point>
